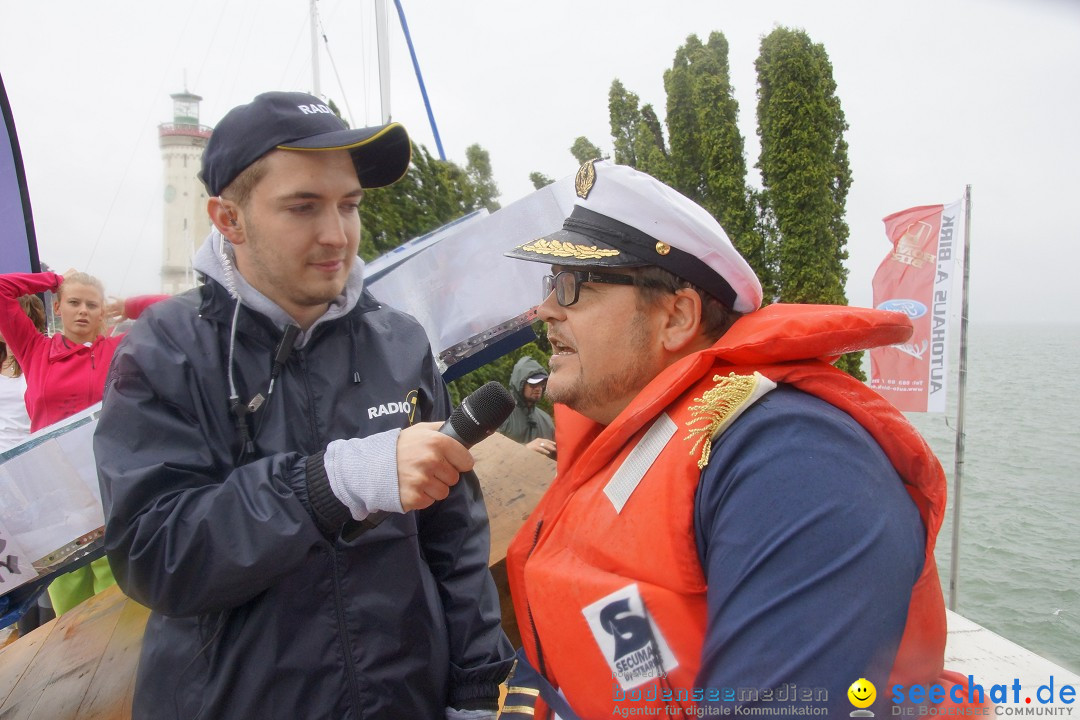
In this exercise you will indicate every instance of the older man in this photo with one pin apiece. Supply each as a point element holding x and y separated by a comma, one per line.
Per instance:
<point>734,521</point>
<point>243,439</point>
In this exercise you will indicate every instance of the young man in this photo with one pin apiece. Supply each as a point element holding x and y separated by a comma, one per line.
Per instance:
<point>528,424</point>
<point>734,521</point>
<point>250,424</point>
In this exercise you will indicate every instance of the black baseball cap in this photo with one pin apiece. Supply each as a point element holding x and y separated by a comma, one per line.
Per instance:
<point>298,121</point>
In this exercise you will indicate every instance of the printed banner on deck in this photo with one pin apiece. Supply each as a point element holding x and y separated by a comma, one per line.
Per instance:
<point>49,498</point>
<point>917,279</point>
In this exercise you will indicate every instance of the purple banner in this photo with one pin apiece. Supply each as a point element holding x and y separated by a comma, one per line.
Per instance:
<point>18,245</point>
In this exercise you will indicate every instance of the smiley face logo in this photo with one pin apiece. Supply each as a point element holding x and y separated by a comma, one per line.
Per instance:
<point>862,693</point>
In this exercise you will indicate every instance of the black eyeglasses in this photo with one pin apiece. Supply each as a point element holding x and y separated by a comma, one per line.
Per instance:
<point>567,283</point>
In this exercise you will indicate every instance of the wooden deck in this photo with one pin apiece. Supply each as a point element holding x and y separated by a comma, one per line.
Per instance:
<point>81,666</point>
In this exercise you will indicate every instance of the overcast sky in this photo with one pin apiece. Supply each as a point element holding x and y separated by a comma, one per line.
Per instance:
<point>938,94</point>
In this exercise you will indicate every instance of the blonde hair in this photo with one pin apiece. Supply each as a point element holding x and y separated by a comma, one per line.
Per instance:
<point>81,278</point>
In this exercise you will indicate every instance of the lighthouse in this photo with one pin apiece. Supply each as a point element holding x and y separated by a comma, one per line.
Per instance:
<point>186,223</point>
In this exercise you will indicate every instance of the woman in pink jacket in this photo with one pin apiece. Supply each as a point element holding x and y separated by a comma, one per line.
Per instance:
<point>65,373</point>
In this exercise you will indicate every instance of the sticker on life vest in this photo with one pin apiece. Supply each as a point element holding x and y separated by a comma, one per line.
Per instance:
<point>630,641</point>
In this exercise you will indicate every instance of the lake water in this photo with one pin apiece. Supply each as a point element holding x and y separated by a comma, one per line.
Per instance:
<point>1019,556</point>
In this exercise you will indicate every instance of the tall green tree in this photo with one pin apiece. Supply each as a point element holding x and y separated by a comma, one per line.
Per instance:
<point>708,157</point>
<point>584,150</point>
<point>481,179</point>
<point>625,118</point>
<point>804,169</point>
<point>649,149</point>
<point>637,134</point>
<point>539,180</point>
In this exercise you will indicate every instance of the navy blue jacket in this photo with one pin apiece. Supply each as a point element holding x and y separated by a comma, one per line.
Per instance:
<point>261,606</point>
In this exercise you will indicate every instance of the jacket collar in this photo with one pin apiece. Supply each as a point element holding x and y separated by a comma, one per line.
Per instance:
<point>60,347</point>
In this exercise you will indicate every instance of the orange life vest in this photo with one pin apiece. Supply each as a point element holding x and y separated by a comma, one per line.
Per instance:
<point>579,567</point>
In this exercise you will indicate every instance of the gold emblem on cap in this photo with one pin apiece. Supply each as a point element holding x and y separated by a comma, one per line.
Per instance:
<point>585,179</point>
<point>714,407</point>
<point>662,248</point>
<point>556,248</point>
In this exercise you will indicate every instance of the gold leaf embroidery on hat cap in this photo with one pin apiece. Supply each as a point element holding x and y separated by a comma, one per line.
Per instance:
<point>566,249</point>
<point>714,407</point>
<point>662,248</point>
<point>585,179</point>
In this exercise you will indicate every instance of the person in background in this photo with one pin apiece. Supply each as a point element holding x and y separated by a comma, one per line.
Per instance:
<point>275,486</point>
<point>529,424</point>
<point>15,429</point>
<point>65,373</point>
<point>14,419</point>
<point>730,511</point>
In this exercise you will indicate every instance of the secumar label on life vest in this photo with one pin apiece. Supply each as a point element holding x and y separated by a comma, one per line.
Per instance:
<point>629,640</point>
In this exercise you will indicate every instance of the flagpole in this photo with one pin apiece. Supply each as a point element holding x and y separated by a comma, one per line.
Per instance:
<point>958,466</point>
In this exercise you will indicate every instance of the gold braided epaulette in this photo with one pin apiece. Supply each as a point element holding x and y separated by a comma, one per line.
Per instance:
<point>714,407</point>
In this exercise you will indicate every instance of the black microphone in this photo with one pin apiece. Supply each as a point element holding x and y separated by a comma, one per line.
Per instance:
<point>479,415</point>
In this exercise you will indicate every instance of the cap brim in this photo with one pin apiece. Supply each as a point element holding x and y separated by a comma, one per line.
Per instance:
<point>382,154</point>
<point>570,248</point>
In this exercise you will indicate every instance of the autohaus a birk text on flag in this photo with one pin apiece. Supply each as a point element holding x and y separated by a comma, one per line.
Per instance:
<point>916,278</point>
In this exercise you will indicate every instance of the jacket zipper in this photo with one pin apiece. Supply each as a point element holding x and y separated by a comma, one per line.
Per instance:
<point>339,606</point>
<point>339,603</point>
<point>528,608</point>
<point>313,422</point>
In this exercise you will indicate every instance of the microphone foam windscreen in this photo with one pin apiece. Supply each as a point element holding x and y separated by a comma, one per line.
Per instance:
<point>482,412</point>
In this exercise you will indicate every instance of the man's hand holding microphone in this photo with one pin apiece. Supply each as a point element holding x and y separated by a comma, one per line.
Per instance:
<point>411,469</point>
<point>429,463</point>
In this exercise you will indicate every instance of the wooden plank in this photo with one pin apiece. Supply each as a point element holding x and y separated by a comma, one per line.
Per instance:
<point>16,658</point>
<point>513,478</point>
<point>111,689</point>
<point>57,678</point>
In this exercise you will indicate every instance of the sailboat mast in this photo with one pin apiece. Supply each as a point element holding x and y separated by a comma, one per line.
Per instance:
<point>314,17</point>
<point>384,60</point>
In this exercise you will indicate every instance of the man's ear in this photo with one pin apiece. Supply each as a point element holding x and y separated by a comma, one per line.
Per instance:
<point>681,329</point>
<point>226,217</point>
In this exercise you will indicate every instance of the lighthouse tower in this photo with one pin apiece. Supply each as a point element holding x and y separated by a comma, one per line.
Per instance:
<point>186,223</point>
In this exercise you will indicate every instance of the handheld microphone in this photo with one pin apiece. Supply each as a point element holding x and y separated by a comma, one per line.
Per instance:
<point>479,415</point>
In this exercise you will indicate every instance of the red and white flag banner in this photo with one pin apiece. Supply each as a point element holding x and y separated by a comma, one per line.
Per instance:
<point>916,278</point>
